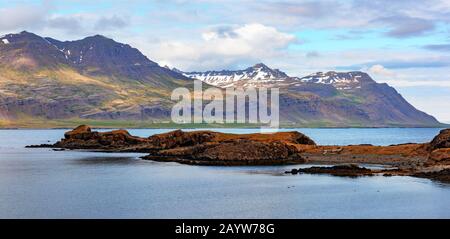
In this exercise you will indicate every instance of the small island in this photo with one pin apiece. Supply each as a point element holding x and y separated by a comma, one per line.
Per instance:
<point>428,160</point>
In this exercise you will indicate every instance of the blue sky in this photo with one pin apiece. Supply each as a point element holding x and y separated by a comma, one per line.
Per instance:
<point>405,43</point>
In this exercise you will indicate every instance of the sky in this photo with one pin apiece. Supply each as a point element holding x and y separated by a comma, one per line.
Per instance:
<point>405,43</point>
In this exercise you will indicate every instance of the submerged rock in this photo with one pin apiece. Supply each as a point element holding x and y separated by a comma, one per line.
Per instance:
<point>350,170</point>
<point>40,146</point>
<point>293,171</point>
<point>441,175</point>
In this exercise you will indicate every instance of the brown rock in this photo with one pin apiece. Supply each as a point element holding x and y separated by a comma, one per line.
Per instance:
<point>83,137</point>
<point>232,152</point>
<point>440,155</point>
<point>180,138</point>
<point>78,132</point>
<point>442,175</point>
<point>197,147</point>
<point>442,140</point>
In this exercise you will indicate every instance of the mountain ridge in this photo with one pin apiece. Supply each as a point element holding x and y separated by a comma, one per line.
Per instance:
<point>97,78</point>
<point>225,78</point>
<point>320,95</point>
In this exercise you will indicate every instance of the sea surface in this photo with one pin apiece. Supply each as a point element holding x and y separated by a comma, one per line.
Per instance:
<point>41,183</point>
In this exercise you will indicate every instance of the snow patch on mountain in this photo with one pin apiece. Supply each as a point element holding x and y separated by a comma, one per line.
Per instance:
<point>340,80</point>
<point>258,73</point>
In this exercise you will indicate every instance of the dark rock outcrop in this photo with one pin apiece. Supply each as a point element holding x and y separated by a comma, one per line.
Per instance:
<point>216,148</point>
<point>83,137</point>
<point>442,175</point>
<point>350,170</point>
<point>197,147</point>
<point>232,152</point>
<point>442,140</point>
<point>179,138</point>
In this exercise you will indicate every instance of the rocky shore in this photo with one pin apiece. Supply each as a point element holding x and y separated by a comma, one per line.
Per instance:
<point>429,160</point>
<point>199,147</point>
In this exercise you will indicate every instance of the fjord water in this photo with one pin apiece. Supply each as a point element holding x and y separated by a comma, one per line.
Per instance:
<point>41,183</point>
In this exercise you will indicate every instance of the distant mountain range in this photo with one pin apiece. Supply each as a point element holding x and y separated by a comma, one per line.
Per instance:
<point>328,99</point>
<point>251,76</point>
<point>261,75</point>
<point>97,78</point>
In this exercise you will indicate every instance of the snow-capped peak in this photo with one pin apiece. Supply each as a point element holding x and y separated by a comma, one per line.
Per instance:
<point>258,73</point>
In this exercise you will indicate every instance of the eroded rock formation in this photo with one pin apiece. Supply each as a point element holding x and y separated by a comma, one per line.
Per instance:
<point>214,148</point>
<point>232,152</point>
<point>82,137</point>
<point>198,147</point>
<point>442,140</point>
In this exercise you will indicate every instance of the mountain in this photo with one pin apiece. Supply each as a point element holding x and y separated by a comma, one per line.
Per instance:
<point>251,76</point>
<point>92,78</point>
<point>27,51</point>
<point>98,55</point>
<point>46,80</point>
<point>338,99</point>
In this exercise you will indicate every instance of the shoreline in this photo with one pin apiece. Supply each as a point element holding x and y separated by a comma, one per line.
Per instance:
<point>238,127</point>
<point>212,148</point>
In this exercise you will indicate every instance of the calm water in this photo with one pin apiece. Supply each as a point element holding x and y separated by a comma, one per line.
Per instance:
<point>41,183</point>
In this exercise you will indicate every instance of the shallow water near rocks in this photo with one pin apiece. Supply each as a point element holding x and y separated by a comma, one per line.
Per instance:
<point>42,183</point>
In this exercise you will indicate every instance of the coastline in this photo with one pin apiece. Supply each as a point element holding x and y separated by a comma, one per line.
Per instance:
<point>212,148</point>
<point>212,127</point>
<point>133,124</point>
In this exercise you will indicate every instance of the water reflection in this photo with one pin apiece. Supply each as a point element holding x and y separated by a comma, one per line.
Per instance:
<point>106,160</point>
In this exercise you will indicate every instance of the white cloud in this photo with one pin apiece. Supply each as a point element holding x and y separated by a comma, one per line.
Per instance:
<point>22,17</point>
<point>222,46</point>
<point>380,70</point>
<point>409,77</point>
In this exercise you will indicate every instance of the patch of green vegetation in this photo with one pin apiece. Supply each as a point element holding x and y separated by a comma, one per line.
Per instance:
<point>27,122</point>
<point>353,98</point>
<point>71,123</point>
